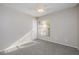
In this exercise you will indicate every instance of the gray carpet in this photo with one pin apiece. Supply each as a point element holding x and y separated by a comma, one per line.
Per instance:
<point>41,47</point>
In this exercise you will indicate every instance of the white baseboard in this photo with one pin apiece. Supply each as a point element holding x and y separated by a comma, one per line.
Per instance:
<point>60,43</point>
<point>14,48</point>
<point>27,38</point>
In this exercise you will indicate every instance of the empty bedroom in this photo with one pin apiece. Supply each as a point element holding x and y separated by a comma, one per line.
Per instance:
<point>39,29</point>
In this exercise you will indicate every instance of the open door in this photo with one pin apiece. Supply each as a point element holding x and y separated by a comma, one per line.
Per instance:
<point>44,29</point>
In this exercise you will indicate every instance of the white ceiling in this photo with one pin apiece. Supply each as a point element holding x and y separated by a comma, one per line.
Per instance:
<point>31,8</point>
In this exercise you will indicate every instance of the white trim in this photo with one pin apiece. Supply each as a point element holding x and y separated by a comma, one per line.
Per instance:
<point>61,43</point>
<point>27,38</point>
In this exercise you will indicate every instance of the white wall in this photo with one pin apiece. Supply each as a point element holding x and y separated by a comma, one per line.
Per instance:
<point>63,27</point>
<point>78,26</point>
<point>13,25</point>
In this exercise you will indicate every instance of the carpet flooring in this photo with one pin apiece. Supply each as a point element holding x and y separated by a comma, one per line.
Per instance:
<point>41,47</point>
